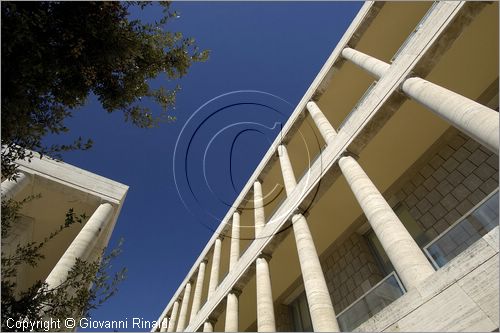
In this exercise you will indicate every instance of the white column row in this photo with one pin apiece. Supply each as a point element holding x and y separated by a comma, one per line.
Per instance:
<point>408,260</point>
<point>265,307</point>
<point>404,253</point>
<point>470,117</point>
<point>178,319</point>
<point>317,294</point>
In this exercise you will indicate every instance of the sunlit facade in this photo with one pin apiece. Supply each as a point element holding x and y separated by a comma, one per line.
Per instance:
<point>392,225</point>
<point>56,187</point>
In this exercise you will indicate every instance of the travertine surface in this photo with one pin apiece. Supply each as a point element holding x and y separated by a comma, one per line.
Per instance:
<point>462,296</point>
<point>407,258</point>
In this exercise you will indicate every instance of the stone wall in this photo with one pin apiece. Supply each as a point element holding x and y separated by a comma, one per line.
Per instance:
<point>437,191</point>
<point>350,270</point>
<point>454,180</point>
<point>283,318</point>
<point>444,187</point>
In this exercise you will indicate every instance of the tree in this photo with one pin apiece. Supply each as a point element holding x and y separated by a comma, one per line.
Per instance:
<point>54,54</point>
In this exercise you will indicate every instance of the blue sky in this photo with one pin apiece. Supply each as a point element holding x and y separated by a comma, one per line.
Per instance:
<point>273,47</point>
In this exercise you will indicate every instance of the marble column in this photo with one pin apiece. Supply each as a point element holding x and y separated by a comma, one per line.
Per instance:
<point>184,308</point>
<point>259,214</point>
<point>324,126</point>
<point>232,321</point>
<point>318,297</point>
<point>173,317</point>
<point>370,64</point>
<point>82,245</point>
<point>214,279</point>
<point>209,325</point>
<point>198,289</point>
<point>232,297</point>
<point>214,273</point>
<point>408,260</point>
<point>476,120</point>
<point>265,308</point>
<point>10,187</point>
<point>234,254</point>
<point>164,324</point>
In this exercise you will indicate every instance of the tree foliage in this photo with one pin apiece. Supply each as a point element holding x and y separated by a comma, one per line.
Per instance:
<point>86,287</point>
<point>54,54</point>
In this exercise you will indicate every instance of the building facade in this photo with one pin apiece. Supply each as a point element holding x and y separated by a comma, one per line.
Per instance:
<point>392,223</point>
<point>60,187</point>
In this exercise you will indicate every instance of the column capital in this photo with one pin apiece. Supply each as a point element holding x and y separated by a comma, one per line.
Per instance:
<point>348,153</point>
<point>103,201</point>
<point>266,256</point>
<point>281,147</point>
<point>236,292</point>
<point>238,210</point>
<point>211,320</point>
<point>266,321</point>
<point>299,210</point>
<point>259,179</point>
<point>204,261</point>
<point>410,75</point>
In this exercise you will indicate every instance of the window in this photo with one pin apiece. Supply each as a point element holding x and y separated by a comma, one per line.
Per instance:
<point>300,314</point>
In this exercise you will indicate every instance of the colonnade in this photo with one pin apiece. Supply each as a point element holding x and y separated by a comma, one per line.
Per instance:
<point>476,120</point>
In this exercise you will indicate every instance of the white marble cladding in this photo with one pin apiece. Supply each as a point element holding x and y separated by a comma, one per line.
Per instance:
<point>461,296</point>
